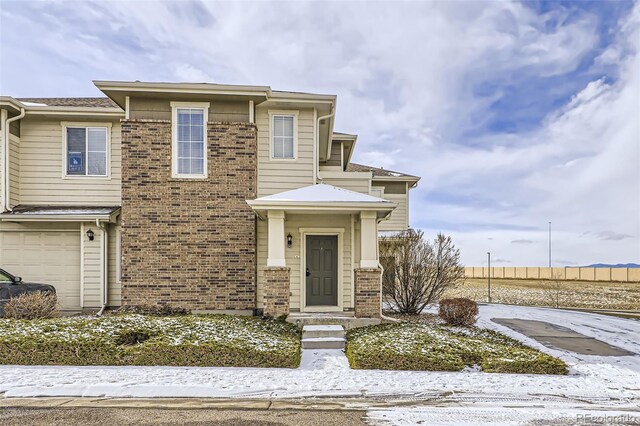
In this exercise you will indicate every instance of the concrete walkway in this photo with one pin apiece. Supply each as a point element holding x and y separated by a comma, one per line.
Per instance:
<point>563,338</point>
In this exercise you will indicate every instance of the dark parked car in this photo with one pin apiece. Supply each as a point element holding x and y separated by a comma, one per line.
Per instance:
<point>12,286</point>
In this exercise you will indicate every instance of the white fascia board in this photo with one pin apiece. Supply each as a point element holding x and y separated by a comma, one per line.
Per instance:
<point>325,174</point>
<point>56,218</point>
<point>396,178</point>
<point>77,111</point>
<point>194,88</point>
<point>314,205</point>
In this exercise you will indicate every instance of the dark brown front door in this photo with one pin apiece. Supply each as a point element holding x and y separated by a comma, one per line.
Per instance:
<point>322,270</point>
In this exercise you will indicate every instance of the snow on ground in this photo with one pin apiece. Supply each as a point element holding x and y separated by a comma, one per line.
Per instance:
<point>490,415</point>
<point>609,382</point>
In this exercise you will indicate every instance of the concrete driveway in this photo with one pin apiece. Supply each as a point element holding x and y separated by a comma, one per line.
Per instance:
<point>558,337</point>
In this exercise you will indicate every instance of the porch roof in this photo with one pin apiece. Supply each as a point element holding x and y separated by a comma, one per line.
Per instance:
<point>322,198</point>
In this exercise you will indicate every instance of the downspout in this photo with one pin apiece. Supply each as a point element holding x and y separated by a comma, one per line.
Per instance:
<point>5,168</point>
<point>316,145</point>
<point>104,235</point>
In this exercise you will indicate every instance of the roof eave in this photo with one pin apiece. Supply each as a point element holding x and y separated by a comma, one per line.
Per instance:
<point>321,205</point>
<point>406,178</point>
<point>8,101</point>
<point>56,218</point>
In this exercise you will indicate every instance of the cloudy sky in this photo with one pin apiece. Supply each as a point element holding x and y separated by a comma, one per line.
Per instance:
<point>514,114</point>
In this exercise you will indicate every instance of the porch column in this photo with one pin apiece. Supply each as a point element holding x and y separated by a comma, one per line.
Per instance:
<point>275,256</point>
<point>368,239</point>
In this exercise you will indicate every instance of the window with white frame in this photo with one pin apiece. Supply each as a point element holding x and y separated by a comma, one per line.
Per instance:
<point>86,151</point>
<point>283,136</point>
<point>189,140</point>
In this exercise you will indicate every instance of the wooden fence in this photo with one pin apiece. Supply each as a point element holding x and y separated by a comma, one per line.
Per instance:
<point>544,273</point>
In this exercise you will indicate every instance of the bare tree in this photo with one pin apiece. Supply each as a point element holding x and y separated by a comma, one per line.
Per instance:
<point>555,290</point>
<point>418,272</point>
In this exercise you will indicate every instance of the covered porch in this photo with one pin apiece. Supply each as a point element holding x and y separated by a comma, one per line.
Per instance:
<point>318,251</point>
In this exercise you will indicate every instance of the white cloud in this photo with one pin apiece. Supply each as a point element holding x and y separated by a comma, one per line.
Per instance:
<point>406,75</point>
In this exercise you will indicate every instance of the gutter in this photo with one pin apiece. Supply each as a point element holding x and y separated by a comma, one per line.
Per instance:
<point>6,201</point>
<point>316,145</point>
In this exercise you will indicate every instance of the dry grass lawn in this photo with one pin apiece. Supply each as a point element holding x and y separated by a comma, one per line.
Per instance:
<point>562,294</point>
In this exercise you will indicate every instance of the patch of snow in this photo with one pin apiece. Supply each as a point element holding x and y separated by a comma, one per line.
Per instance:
<point>323,328</point>
<point>499,415</point>
<point>33,104</point>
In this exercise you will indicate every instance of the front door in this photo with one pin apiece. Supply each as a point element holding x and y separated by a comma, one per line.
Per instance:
<point>322,270</point>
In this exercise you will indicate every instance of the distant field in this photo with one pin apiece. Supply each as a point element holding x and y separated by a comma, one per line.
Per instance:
<point>563,294</point>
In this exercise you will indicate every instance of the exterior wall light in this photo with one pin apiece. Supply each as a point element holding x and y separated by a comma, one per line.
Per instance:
<point>90,235</point>
<point>289,240</point>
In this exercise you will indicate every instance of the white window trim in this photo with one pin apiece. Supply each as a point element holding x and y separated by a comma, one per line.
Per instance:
<point>277,113</point>
<point>204,106</point>
<point>69,124</point>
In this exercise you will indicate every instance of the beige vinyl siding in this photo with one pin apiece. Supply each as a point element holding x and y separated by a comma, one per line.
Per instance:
<point>282,175</point>
<point>336,156</point>
<point>160,109</point>
<point>357,185</point>
<point>91,270</point>
<point>398,221</point>
<point>14,170</point>
<point>14,127</point>
<point>42,167</point>
<point>293,258</point>
<point>112,266</point>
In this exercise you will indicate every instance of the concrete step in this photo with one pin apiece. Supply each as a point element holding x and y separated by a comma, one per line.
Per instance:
<point>311,331</point>
<point>348,322</point>
<point>323,343</point>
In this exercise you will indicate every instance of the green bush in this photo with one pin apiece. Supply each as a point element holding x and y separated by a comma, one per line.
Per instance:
<point>427,347</point>
<point>207,340</point>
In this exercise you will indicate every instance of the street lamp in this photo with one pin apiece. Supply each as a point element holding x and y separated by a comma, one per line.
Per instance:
<point>489,273</point>
<point>549,247</point>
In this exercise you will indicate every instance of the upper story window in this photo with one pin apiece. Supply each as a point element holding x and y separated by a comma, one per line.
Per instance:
<point>283,135</point>
<point>189,159</point>
<point>86,151</point>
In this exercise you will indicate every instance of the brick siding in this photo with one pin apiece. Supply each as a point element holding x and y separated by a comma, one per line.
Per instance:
<point>188,243</point>
<point>277,284</point>
<point>367,292</point>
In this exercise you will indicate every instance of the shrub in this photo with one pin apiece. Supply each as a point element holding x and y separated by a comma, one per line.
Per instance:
<point>31,306</point>
<point>428,347</point>
<point>129,337</point>
<point>458,311</point>
<point>155,310</point>
<point>416,271</point>
<point>189,340</point>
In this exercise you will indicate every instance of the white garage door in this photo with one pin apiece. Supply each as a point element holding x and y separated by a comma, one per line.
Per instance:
<point>45,257</point>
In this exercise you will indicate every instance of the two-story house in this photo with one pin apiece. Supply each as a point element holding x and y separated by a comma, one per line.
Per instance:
<point>212,197</point>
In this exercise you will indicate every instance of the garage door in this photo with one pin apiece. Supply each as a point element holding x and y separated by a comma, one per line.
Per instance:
<point>45,257</point>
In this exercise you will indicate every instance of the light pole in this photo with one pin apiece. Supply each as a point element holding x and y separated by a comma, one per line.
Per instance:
<point>549,246</point>
<point>489,273</point>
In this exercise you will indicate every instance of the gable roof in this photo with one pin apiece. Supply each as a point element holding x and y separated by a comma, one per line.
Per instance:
<point>102,102</point>
<point>379,172</point>
<point>323,193</point>
<point>322,198</point>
